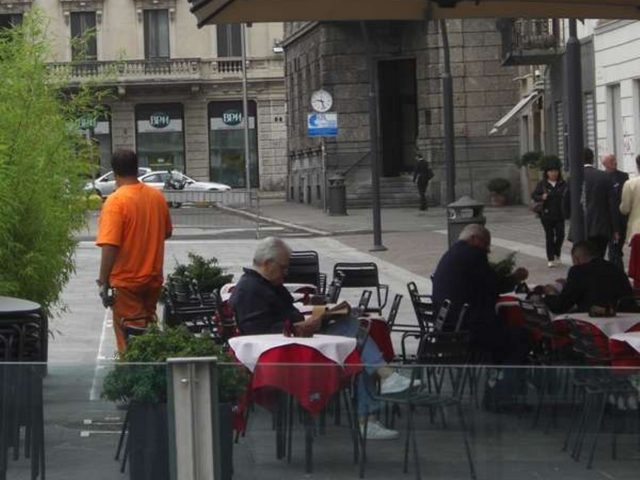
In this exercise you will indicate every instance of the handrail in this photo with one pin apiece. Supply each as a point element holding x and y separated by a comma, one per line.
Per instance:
<point>356,163</point>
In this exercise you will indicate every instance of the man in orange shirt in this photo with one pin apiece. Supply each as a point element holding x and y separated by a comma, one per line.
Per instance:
<point>133,226</point>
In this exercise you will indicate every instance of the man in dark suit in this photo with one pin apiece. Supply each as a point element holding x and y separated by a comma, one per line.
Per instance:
<point>618,179</point>
<point>591,281</point>
<point>464,276</point>
<point>600,208</point>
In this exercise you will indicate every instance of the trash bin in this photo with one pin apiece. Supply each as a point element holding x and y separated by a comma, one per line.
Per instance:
<point>462,213</point>
<point>337,195</point>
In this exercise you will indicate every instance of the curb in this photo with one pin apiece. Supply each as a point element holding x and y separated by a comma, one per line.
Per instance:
<point>244,213</point>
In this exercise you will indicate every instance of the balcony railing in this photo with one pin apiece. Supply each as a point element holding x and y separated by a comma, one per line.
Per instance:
<point>531,42</point>
<point>172,70</point>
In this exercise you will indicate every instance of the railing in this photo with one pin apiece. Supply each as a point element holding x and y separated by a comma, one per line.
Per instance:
<point>540,39</point>
<point>561,418</point>
<point>173,69</point>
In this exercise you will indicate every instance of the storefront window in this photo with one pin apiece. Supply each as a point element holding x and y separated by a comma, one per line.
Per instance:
<point>160,136</point>
<point>99,131</point>
<point>226,144</point>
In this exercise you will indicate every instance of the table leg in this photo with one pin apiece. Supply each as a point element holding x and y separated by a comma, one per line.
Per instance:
<point>280,425</point>
<point>308,442</point>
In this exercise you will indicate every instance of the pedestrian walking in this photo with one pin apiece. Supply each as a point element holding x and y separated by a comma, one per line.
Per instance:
<point>422,174</point>
<point>618,180</point>
<point>134,224</point>
<point>548,196</point>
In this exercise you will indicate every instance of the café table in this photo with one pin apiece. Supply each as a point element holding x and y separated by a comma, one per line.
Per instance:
<point>310,370</point>
<point>625,349</point>
<point>620,323</point>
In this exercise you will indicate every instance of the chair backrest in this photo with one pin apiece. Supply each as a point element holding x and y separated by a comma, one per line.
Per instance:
<point>335,287</point>
<point>442,316</point>
<point>304,267</point>
<point>364,327</point>
<point>462,317</point>
<point>393,311</point>
<point>365,298</point>
<point>444,348</point>
<point>357,274</point>
<point>423,307</point>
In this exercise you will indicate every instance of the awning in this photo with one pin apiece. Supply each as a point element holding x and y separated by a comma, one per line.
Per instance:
<point>239,11</point>
<point>513,113</point>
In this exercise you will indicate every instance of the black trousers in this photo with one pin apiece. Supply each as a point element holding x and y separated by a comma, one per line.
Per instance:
<point>554,237</point>
<point>615,250</point>
<point>422,190</point>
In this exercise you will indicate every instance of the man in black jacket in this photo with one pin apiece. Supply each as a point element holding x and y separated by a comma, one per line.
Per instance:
<point>465,276</point>
<point>591,281</point>
<point>598,202</point>
<point>618,179</point>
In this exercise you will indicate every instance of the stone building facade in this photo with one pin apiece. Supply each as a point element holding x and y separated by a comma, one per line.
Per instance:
<point>177,90</point>
<point>408,58</point>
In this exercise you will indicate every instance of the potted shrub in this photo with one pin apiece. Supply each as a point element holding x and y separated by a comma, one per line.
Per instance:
<point>506,266</point>
<point>206,272</point>
<point>498,188</point>
<point>143,384</point>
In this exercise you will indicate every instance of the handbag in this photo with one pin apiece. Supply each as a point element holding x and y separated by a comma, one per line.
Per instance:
<point>536,207</point>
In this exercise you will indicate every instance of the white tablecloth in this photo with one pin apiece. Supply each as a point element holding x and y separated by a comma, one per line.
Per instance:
<point>632,338</point>
<point>249,348</point>
<point>621,323</point>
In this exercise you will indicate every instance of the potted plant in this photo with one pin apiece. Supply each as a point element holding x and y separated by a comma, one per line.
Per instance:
<point>506,266</point>
<point>142,383</point>
<point>206,272</point>
<point>498,188</point>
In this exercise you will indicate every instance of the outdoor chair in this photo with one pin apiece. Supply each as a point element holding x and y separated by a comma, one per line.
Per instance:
<point>438,324</point>
<point>423,308</point>
<point>445,354</point>
<point>304,267</point>
<point>362,275</point>
<point>598,384</point>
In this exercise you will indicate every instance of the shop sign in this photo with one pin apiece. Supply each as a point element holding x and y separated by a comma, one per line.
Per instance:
<point>159,120</point>
<point>232,118</point>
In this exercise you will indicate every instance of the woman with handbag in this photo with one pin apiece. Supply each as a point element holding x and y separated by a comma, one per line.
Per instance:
<point>546,202</point>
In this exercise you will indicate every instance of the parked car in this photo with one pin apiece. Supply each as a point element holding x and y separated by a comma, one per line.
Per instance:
<point>158,179</point>
<point>106,184</point>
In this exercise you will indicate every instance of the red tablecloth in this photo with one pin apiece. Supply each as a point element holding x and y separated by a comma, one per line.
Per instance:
<point>302,372</point>
<point>624,350</point>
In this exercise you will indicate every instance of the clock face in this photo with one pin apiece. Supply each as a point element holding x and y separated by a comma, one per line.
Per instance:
<point>321,101</point>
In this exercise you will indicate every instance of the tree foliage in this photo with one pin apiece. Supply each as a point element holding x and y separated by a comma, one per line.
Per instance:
<point>44,163</point>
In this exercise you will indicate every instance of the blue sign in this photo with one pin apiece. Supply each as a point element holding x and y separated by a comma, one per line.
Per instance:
<point>322,125</point>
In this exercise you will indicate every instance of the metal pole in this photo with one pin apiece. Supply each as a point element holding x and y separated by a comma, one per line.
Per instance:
<point>324,175</point>
<point>373,133</point>
<point>576,143</point>
<point>447,114</point>
<point>245,113</point>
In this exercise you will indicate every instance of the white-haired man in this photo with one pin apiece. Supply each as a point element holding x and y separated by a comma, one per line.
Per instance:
<point>263,305</point>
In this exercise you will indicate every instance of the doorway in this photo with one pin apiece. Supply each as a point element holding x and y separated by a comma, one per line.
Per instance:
<point>398,115</point>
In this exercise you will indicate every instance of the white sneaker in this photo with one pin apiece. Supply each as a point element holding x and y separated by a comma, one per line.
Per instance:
<point>558,261</point>
<point>394,383</point>
<point>551,264</point>
<point>376,431</point>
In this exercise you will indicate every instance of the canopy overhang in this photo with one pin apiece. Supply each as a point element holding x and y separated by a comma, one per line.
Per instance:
<point>239,11</point>
<point>523,104</point>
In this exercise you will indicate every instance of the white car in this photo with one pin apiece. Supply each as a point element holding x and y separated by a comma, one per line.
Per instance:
<point>106,184</point>
<point>158,180</point>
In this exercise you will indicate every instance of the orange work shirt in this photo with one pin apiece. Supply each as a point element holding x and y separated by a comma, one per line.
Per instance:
<point>136,219</point>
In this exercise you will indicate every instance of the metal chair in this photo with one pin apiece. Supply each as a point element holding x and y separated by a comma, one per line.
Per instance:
<point>446,355</point>
<point>359,275</point>
<point>304,267</point>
